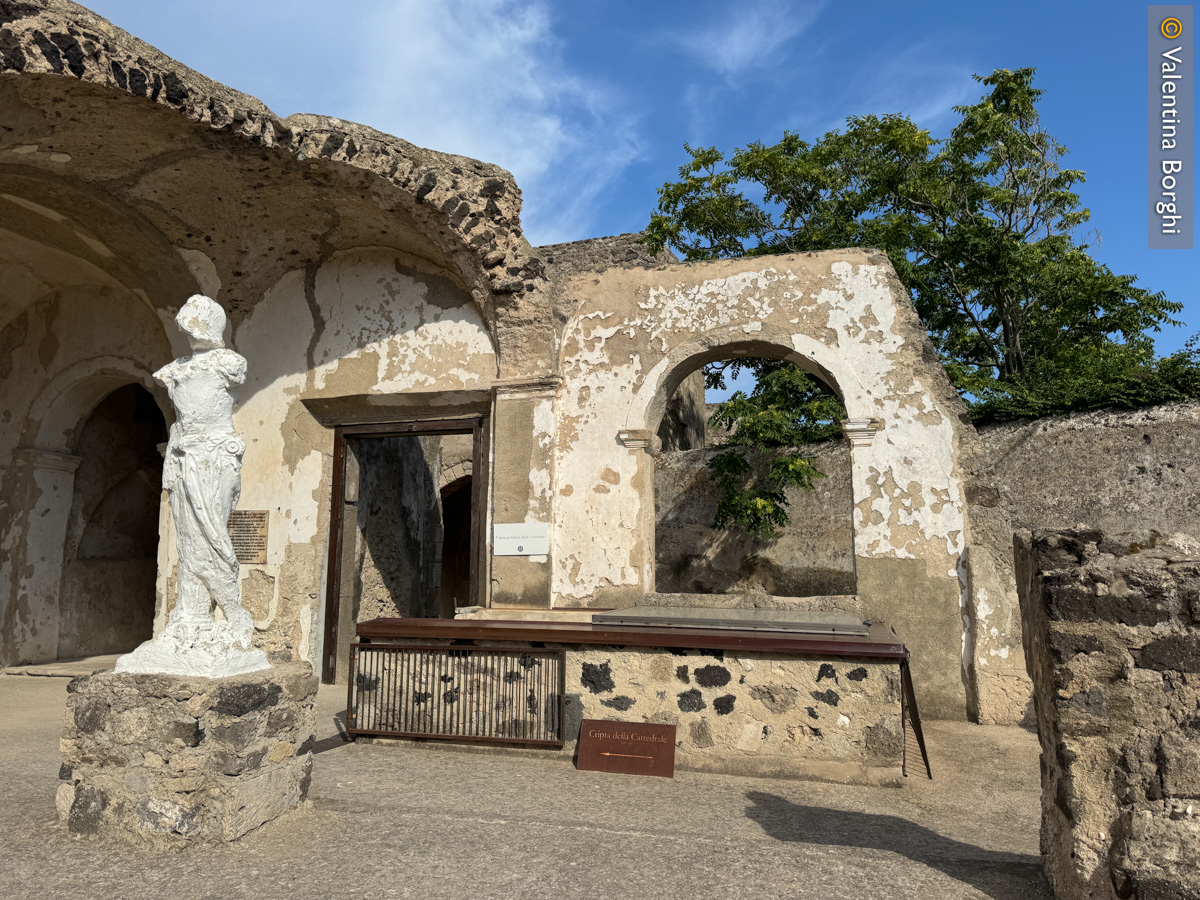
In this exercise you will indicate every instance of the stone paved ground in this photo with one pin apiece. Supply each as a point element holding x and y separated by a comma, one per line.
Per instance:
<point>412,821</point>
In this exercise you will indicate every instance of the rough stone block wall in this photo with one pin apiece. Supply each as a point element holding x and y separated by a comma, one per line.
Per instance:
<point>163,759</point>
<point>1112,642</point>
<point>812,556</point>
<point>749,713</point>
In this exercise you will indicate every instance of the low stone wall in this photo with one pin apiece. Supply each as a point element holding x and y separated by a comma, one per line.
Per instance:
<point>749,713</point>
<point>164,759</point>
<point>1112,642</point>
<point>738,713</point>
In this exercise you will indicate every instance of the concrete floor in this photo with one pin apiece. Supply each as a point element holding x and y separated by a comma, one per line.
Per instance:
<point>419,821</point>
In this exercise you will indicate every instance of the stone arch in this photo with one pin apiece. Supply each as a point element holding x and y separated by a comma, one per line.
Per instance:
<point>812,557</point>
<point>452,474</point>
<point>770,343</point>
<point>462,213</point>
<point>64,404</point>
<point>843,315</point>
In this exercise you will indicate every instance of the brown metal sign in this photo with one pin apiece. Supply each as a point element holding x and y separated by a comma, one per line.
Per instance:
<point>248,532</point>
<point>627,748</point>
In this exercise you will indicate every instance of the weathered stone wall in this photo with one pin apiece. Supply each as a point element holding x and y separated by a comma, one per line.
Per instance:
<point>1112,641</point>
<point>398,557</point>
<point>163,759</point>
<point>1116,470</point>
<point>684,423</point>
<point>634,335</point>
<point>351,263</point>
<point>739,713</point>
<point>749,713</point>
<point>813,555</point>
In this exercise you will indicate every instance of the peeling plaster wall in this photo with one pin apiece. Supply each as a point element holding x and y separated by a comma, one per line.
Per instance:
<point>843,315</point>
<point>60,355</point>
<point>366,323</point>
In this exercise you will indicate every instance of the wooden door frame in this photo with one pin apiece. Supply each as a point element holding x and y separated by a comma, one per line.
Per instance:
<point>472,425</point>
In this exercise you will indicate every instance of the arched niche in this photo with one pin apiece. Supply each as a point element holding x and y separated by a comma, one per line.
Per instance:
<point>107,595</point>
<point>809,562</point>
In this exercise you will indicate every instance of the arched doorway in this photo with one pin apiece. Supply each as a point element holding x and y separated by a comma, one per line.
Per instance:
<point>813,554</point>
<point>455,588</point>
<point>107,594</point>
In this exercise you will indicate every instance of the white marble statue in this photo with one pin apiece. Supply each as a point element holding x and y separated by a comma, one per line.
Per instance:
<point>203,477</point>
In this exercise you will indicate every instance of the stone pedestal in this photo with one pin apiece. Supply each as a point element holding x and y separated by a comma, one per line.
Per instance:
<point>171,759</point>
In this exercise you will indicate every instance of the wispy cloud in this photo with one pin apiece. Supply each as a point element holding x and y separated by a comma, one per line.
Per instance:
<point>749,35</point>
<point>486,78</point>
<point>923,81</point>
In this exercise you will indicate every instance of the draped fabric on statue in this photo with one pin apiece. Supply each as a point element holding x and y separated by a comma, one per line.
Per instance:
<point>202,474</point>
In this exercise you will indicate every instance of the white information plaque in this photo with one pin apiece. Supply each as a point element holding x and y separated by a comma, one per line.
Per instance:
<point>521,539</point>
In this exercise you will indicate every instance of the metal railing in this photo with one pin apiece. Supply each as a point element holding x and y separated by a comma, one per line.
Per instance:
<point>479,694</point>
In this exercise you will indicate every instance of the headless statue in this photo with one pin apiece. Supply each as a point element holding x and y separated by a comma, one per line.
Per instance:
<point>202,474</point>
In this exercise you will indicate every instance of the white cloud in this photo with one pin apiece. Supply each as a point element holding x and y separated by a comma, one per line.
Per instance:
<point>922,82</point>
<point>485,78</point>
<point>749,35</point>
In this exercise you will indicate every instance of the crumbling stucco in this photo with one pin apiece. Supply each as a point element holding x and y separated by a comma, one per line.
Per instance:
<point>636,334</point>
<point>368,280</point>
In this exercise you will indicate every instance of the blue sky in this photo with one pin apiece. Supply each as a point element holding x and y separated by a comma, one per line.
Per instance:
<point>589,103</point>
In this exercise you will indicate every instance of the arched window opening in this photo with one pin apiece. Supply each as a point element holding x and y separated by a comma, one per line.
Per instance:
<point>110,559</point>
<point>711,536</point>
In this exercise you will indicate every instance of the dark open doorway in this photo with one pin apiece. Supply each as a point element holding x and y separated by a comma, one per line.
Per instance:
<point>405,543</point>
<point>110,557</point>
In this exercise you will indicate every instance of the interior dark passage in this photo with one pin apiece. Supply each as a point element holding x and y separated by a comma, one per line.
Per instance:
<point>812,556</point>
<point>405,548</point>
<point>456,547</point>
<point>111,550</point>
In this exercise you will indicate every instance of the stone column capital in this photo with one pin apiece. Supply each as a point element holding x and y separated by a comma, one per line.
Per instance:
<point>46,459</point>
<point>861,432</point>
<point>639,439</point>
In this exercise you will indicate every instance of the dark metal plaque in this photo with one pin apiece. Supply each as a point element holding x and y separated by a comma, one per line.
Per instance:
<point>627,748</point>
<point>248,531</point>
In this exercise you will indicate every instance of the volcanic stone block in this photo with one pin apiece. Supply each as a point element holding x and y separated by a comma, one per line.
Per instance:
<point>1113,646</point>
<point>168,759</point>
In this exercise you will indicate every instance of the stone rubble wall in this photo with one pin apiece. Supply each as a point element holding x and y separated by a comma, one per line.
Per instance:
<point>743,713</point>
<point>812,556</point>
<point>749,713</point>
<point>163,759</point>
<point>1112,642</point>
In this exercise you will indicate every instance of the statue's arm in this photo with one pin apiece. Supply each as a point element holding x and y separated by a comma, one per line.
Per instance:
<point>232,366</point>
<point>166,376</point>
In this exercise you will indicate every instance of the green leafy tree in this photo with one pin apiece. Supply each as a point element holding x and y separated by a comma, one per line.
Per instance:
<point>984,228</point>
<point>787,409</point>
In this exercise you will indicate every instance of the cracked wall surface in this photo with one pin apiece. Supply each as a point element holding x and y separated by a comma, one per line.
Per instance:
<point>635,334</point>
<point>351,263</point>
<point>371,281</point>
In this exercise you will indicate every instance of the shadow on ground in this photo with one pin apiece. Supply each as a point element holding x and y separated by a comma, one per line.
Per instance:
<point>988,871</point>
